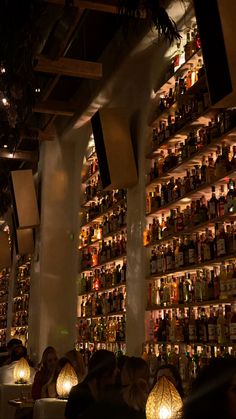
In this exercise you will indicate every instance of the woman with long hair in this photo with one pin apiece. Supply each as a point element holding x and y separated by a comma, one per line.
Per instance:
<point>46,368</point>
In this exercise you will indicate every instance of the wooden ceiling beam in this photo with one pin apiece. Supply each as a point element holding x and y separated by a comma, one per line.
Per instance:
<point>54,107</point>
<point>19,155</point>
<point>69,67</point>
<point>100,6</point>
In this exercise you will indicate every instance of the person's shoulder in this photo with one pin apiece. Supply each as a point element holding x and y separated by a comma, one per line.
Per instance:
<point>82,387</point>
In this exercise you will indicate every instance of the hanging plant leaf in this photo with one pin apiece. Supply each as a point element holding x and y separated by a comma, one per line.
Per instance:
<point>155,13</point>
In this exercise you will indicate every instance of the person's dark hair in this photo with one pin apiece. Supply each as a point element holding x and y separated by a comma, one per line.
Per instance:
<point>12,343</point>
<point>121,360</point>
<point>18,352</point>
<point>48,350</point>
<point>134,379</point>
<point>176,375</point>
<point>101,364</point>
<point>208,395</point>
<point>59,365</point>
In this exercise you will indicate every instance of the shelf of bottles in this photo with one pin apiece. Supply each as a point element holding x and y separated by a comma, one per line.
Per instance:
<point>102,277</point>
<point>190,233</point>
<point>21,294</point>
<point>4,285</point>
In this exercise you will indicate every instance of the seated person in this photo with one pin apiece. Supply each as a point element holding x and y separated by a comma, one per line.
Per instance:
<point>171,373</point>
<point>77,362</point>
<point>10,345</point>
<point>6,371</point>
<point>49,390</point>
<point>101,377</point>
<point>46,369</point>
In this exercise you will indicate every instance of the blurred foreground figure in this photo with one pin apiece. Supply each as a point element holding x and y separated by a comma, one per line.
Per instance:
<point>127,401</point>
<point>101,377</point>
<point>213,394</point>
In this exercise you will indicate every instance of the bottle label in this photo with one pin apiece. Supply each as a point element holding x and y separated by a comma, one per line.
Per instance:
<point>192,332</point>
<point>180,259</point>
<point>232,329</point>
<point>212,332</point>
<point>198,291</point>
<point>206,252</point>
<point>168,263</point>
<point>191,255</point>
<point>153,266</point>
<point>220,329</point>
<point>220,247</point>
<point>159,264</point>
<point>212,208</point>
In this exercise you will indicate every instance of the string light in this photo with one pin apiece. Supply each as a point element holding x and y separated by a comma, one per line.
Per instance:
<point>5,146</point>
<point>5,101</point>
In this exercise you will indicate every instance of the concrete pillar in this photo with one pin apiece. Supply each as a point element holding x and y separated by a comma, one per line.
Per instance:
<point>53,302</point>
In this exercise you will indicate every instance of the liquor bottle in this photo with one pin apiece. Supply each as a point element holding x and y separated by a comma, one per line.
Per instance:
<point>222,203</point>
<point>221,327</point>
<point>153,263</point>
<point>220,238</point>
<point>216,283</point>
<point>231,196</point>
<point>232,326</point>
<point>212,326</point>
<point>192,326</point>
<point>203,326</point>
<point>210,284</point>
<point>213,205</point>
<point>223,282</point>
<point>198,287</point>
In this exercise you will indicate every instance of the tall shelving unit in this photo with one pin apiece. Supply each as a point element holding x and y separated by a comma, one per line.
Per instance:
<point>190,235</point>
<point>20,298</point>
<point>14,293</point>
<point>102,271</point>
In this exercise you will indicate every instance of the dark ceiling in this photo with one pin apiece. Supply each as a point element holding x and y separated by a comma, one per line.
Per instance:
<point>65,32</point>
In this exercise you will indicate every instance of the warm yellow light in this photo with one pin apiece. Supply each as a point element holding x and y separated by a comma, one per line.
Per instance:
<point>164,401</point>
<point>66,379</point>
<point>164,413</point>
<point>21,372</point>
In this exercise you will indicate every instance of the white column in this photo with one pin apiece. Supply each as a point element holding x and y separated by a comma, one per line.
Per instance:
<point>53,301</point>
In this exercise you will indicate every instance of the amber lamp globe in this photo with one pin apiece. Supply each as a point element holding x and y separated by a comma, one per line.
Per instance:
<point>66,379</point>
<point>164,401</point>
<point>21,372</point>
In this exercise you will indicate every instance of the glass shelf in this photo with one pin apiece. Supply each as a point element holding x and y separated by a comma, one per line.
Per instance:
<point>190,268</point>
<point>99,316</point>
<point>107,262</point>
<point>102,290</point>
<point>196,193</point>
<point>106,236</point>
<point>100,216</point>
<point>158,307</point>
<point>209,223</point>
<point>179,73</point>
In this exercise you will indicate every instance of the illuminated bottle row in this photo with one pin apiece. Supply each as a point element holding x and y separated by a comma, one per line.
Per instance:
<point>102,270</point>
<point>190,234</point>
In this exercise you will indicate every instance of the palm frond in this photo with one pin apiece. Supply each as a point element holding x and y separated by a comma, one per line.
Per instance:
<point>155,13</point>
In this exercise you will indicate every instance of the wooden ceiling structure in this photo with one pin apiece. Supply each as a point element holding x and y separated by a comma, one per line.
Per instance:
<point>69,71</point>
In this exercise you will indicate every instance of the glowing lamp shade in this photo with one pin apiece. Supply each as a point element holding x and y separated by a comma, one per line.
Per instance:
<point>164,401</point>
<point>21,372</point>
<point>66,379</point>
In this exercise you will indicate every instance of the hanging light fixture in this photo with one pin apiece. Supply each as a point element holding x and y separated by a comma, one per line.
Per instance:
<point>21,372</point>
<point>164,401</point>
<point>65,381</point>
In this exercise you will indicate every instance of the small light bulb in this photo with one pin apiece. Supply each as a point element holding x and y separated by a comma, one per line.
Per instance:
<point>3,70</point>
<point>4,101</point>
<point>5,146</point>
<point>11,155</point>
